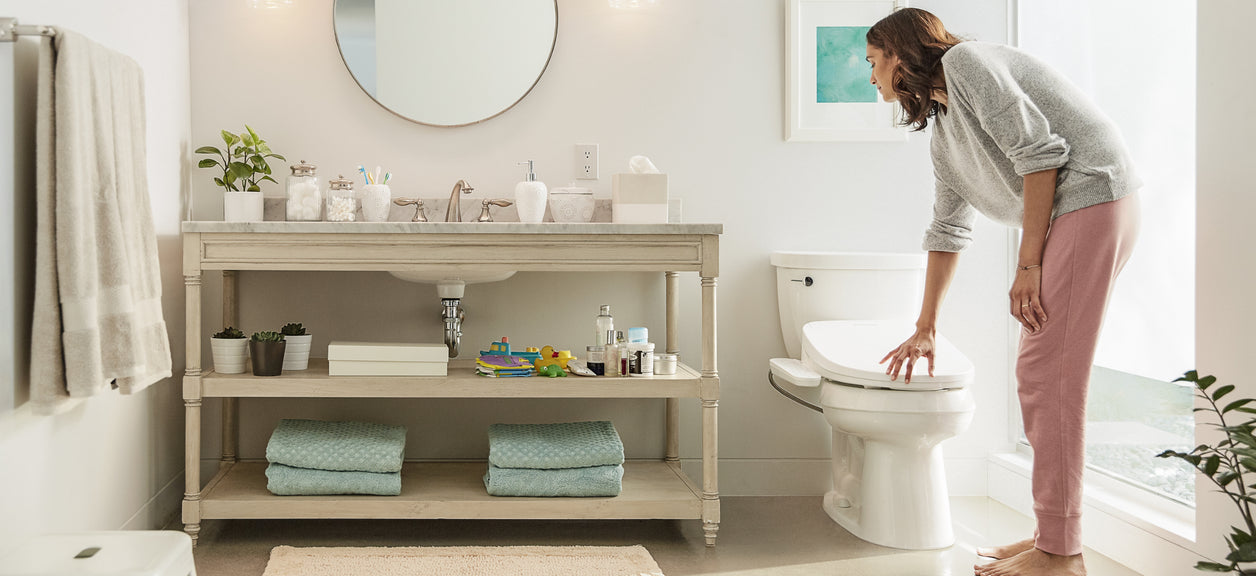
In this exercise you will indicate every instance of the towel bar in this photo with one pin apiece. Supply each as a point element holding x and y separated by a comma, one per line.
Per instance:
<point>10,30</point>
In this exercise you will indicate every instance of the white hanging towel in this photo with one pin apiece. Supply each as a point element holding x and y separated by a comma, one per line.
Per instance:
<point>97,320</point>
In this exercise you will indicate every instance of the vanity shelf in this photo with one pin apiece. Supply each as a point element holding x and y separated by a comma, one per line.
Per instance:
<point>462,382</point>
<point>651,489</point>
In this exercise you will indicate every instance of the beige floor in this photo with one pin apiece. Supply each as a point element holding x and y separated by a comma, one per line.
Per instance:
<point>775,536</point>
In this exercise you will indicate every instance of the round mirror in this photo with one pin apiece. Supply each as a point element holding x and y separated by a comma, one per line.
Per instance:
<point>446,62</point>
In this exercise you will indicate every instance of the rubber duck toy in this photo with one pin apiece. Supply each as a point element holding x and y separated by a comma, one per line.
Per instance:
<point>549,356</point>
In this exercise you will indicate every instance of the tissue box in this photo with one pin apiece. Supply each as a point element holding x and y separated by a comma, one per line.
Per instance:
<point>639,198</point>
<point>387,359</point>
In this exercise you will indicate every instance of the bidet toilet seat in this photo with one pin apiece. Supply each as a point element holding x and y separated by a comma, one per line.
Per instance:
<point>848,351</point>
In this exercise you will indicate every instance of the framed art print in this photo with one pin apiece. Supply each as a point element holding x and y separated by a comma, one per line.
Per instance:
<point>829,95</point>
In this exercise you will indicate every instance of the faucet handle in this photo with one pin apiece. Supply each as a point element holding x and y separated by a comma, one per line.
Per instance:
<point>418,207</point>
<point>484,214</point>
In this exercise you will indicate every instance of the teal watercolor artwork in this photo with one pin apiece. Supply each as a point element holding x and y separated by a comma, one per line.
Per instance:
<point>842,74</point>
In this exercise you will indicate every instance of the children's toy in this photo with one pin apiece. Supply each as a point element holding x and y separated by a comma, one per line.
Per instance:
<point>503,349</point>
<point>549,356</point>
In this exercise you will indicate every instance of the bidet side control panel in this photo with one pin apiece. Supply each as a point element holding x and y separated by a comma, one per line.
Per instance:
<point>794,371</point>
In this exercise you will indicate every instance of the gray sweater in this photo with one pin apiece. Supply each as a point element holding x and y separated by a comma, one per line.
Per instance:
<point>1008,115</point>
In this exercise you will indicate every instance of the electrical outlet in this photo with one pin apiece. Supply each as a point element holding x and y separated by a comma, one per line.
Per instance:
<point>586,162</point>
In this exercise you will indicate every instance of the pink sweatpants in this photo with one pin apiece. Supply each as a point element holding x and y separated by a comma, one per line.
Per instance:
<point>1084,253</point>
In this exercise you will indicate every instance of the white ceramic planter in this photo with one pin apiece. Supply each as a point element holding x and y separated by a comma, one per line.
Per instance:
<point>296,356</point>
<point>230,354</point>
<point>242,206</point>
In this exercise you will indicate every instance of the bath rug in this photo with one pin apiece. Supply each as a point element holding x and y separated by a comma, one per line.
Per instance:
<point>549,446</point>
<point>463,561</point>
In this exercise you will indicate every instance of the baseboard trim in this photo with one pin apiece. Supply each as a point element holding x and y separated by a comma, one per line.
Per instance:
<point>813,476</point>
<point>160,510</point>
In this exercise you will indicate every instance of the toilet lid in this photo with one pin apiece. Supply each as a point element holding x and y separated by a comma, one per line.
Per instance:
<point>848,351</point>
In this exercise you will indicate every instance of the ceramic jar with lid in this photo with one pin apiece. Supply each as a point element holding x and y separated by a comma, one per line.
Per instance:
<point>342,203</point>
<point>305,199</point>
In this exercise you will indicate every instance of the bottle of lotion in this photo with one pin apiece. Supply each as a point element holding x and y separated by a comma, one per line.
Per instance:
<point>530,197</point>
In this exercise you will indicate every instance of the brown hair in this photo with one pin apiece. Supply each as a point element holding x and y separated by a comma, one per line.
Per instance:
<point>919,40</point>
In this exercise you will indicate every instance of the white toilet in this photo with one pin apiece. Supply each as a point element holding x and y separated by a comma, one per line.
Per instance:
<point>840,314</point>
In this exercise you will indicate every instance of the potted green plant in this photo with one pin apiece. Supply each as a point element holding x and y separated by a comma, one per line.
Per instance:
<point>266,349</point>
<point>228,350</point>
<point>244,168</point>
<point>296,355</point>
<point>1225,465</point>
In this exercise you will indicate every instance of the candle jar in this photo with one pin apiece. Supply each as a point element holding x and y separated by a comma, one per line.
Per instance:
<point>342,204</point>
<point>305,200</point>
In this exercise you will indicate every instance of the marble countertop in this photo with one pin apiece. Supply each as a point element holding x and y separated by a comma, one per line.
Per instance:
<point>450,228</point>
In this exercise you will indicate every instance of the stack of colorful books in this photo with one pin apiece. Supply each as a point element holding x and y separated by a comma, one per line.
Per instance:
<point>498,366</point>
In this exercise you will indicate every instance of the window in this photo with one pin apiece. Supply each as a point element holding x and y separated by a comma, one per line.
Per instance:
<point>1136,58</point>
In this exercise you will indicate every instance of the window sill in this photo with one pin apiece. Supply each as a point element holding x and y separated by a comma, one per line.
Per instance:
<point>1120,522</point>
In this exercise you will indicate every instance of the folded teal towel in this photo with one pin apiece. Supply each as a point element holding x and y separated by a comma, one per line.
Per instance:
<point>549,446</point>
<point>590,481</point>
<point>289,481</point>
<point>348,446</point>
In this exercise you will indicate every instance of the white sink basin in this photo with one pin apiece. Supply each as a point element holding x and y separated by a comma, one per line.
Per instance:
<point>465,276</point>
<point>449,283</point>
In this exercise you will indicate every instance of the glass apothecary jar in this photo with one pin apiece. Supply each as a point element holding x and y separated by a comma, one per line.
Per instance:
<point>342,203</point>
<point>305,199</point>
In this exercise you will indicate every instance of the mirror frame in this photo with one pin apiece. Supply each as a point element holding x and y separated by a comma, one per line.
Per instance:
<point>539,74</point>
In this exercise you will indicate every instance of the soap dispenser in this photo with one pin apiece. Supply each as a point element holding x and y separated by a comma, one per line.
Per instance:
<point>530,197</point>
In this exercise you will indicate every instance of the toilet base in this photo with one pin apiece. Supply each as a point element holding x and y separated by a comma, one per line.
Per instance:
<point>847,516</point>
<point>900,500</point>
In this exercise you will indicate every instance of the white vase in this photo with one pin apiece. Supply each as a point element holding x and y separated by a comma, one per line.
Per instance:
<point>242,206</point>
<point>230,354</point>
<point>296,356</point>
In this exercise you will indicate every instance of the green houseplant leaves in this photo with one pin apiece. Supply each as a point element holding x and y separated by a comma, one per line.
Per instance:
<point>1226,464</point>
<point>242,161</point>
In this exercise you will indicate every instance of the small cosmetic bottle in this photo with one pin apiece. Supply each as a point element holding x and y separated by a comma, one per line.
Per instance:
<point>611,358</point>
<point>624,355</point>
<point>595,359</point>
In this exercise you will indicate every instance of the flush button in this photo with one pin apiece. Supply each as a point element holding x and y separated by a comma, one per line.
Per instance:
<point>88,552</point>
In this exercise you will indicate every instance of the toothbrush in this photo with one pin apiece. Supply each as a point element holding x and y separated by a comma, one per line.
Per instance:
<point>377,175</point>
<point>387,177</point>
<point>362,169</point>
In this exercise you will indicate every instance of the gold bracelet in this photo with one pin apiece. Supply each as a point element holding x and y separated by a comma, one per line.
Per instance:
<point>1029,267</point>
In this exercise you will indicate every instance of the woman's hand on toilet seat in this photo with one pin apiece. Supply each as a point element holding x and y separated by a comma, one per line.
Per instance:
<point>920,345</point>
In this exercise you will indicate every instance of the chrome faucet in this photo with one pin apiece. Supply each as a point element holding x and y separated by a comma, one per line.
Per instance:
<point>454,213</point>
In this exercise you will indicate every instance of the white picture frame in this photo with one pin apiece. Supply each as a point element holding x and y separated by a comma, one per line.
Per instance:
<point>828,95</point>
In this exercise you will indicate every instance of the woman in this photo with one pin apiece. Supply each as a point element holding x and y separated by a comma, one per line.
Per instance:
<point>1014,140</point>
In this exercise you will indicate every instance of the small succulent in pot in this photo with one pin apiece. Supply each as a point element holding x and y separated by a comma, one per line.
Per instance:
<point>230,333</point>
<point>296,355</point>
<point>229,351</point>
<point>267,350</point>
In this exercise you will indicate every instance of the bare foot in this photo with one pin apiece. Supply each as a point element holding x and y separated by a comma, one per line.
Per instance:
<point>1034,562</point>
<point>1001,552</point>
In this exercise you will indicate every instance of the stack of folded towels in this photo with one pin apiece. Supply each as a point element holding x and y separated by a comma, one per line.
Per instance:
<point>313,457</point>
<point>567,459</point>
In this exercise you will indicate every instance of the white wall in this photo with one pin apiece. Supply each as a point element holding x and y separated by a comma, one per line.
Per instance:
<point>113,461</point>
<point>1224,274</point>
<point>696,85</point>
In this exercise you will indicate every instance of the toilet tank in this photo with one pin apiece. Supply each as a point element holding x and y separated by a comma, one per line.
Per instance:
<point>845,286</point>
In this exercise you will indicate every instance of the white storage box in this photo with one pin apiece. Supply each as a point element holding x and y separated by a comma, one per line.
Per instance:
<point>639,198</point>
<point>387,359</point>
<point>116,553</point>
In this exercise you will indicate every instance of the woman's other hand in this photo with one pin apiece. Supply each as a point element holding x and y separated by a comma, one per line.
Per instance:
<point>1025,299</point>
<point>920,345</point>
